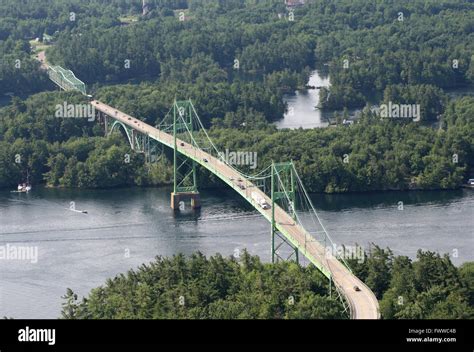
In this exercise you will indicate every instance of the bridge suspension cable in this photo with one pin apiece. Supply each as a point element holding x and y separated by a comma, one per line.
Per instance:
<point>290,209</point>
<point>206,143</point>
<point>306,205</point>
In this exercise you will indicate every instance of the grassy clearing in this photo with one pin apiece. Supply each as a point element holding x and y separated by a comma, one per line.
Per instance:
<point>127,19</point>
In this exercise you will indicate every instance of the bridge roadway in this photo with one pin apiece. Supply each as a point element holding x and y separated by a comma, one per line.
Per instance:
<point>363,303</point>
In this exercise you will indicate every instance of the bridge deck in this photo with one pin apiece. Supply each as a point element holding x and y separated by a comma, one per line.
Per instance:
<point>363,303</point>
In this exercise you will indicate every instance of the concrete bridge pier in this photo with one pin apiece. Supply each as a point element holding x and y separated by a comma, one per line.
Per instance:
<point>178,199</point>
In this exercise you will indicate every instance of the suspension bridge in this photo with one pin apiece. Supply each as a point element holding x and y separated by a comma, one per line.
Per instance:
<point>276,192</point>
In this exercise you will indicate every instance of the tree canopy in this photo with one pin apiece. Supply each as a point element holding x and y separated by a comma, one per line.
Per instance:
<point>243,287</point>
<point>373,154</point>
<point>197,287</point>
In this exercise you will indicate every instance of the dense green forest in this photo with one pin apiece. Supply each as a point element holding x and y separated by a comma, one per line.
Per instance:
<point>209,288</point>
<point>430,287</point>
<point>64,151</point>
<point>373,154</point>
<point>235,60</point>
<point>19,72</point>
<point>370,48</point>
<point>367,54</point>
<point>244,288</point>
<point>411,43</point>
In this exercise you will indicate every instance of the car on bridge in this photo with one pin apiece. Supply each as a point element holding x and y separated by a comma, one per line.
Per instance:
<point>261,201</point>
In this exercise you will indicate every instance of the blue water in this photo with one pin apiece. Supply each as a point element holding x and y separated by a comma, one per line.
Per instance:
<point>127,227</point>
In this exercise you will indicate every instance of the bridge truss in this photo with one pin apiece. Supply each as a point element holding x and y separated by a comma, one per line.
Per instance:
<point>66,79</point>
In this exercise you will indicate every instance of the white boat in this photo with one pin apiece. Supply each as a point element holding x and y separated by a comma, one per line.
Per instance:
<point>23,188</point>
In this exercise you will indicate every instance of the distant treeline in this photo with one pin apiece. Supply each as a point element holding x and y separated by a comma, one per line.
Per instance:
<point>235,61</point>
<point>373,49</point>
<point>403,45</point>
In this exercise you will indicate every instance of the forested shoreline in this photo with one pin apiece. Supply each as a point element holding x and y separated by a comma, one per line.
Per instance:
<point>370,49</point>
<point>373,154</point>
<point>235,60</point>
<point>242,287</point>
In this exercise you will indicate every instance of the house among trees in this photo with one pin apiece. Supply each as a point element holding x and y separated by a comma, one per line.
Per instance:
<point>294,3</point>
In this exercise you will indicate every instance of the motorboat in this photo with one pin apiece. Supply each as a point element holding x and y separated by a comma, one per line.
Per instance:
<point>23,188</point>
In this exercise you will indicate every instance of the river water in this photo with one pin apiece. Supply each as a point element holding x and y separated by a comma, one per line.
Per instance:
<point>302,111</point>
<point>302,104</point>
<point>127,227</point>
